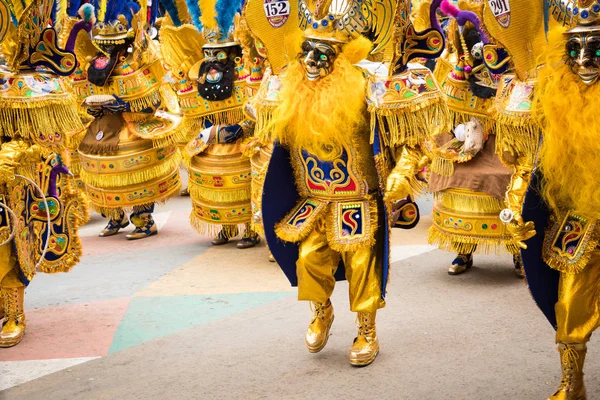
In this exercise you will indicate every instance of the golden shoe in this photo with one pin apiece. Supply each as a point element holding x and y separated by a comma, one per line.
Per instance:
<point>13,329</point>
<point>113,227</point>
<point>572,358</point>
<point>318,330</point>
<point>144,227</point>
<point>366,345</point>
<point>461,264</point>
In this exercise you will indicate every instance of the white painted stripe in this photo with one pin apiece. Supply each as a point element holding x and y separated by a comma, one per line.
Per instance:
<point>14,373</point>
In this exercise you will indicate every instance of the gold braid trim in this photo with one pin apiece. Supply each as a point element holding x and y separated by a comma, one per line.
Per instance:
<point>518,133</point>
<point>464,244</point>
<point>335,239</point>
<point>30,118</point>
<point>78,215</point>
<point>562,259</point>
<point>220,195</point>
<point>288,233</point>
<point>455,200</point>
<point>412,124</point>
<point>109,181</point>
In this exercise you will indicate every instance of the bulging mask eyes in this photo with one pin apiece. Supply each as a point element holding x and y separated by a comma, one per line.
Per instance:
<point>323,57</point>
<point>221,56</point>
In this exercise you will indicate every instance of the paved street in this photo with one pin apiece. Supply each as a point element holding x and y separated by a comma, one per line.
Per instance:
<point>173,317</point>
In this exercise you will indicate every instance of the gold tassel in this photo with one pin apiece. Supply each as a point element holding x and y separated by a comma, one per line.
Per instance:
<point>462,244</point>
<point>108,181</point>
<point>517,133</point>
<point>442,166</point>
<point>459,117</point>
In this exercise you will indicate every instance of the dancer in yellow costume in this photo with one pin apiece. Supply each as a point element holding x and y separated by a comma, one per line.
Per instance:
<point>130,160</point>
<point>469,179</point>
<point>561,259</point>
<point>349,145</point>
<point>40,212</point>
<point>212,94</point>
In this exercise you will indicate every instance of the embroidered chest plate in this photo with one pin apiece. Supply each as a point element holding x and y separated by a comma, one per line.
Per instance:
<point>333,179</point>
<point>568,244</point>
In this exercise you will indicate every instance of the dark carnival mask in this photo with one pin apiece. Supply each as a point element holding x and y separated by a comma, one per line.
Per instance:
<point>583,55</point>
<point>317,58</point>
<point>104,63</point>
<point>217,72</point>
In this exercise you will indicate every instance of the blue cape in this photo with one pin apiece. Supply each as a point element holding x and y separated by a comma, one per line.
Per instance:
<point>541,279</point>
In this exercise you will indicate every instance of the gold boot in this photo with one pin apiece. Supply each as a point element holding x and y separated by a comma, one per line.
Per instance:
<point>318,330</point>
<point>14,323</point>
<point>571,387</point>
<point>366,345</point>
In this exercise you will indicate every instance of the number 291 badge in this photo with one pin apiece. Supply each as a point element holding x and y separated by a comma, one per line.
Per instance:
<point>501,11</point>
<point>277,12</point>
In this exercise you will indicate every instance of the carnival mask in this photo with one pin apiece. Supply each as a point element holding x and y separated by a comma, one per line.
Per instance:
<point>105,62</point>
<point>317,58</point>
<point>583,56</point>
<point>217,72</point>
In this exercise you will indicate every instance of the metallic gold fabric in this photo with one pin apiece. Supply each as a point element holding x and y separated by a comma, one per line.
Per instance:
<point>578,306</point>
<point>9,276</point>
<point>317,264</point>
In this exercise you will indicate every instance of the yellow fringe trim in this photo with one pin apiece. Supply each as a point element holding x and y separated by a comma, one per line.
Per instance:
<point>413,186</point>
<point>460,117</point>
<point>31,118</point>
<point>207,229</point>
<point>470,202</point>
<point>517,133</point>
<point>442,166</point>
<point>264,115</point>
<point>219,195</point>
<point>410,125</point>
<point>463,244</point>
<point>141,103</point>
<point>107,181</point>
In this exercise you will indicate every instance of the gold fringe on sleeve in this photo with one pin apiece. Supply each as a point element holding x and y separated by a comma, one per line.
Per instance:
<point>442,166</point>
<point>407,112</point>
<point>513,123</point>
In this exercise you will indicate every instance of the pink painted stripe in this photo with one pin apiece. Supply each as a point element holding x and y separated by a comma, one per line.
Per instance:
<point>72,331</point>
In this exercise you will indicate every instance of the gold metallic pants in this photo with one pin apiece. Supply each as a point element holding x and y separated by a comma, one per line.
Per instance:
<point>317,264</point>
<point>9,273</point>
<point>578,306</point>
